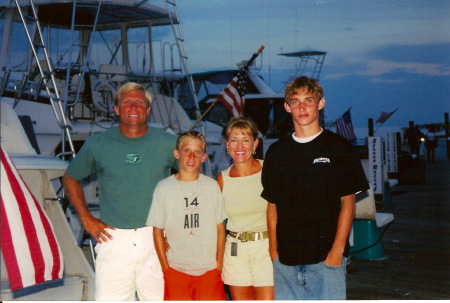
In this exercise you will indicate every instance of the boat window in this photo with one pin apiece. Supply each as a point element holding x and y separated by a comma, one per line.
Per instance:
<point>60,46</point>
<point>19,51</point>
<point>106,48</point>
<point>138,50</point>
<point>166,57</point>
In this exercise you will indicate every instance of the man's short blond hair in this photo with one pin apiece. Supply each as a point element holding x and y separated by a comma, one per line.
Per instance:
<point>127,87</point>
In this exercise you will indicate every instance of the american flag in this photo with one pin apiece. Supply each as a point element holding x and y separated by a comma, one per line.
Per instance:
<point>233,96</point>
<point>345,127</point>
<point>384,116</point>
<point>31,252</point>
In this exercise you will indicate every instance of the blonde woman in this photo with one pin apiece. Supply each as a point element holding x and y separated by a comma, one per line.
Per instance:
<point>247,267</point>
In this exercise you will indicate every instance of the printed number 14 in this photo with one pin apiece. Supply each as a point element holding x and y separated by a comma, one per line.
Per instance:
<point>194,202</point>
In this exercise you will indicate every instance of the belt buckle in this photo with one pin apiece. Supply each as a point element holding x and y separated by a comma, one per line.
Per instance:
<point>240,238</point>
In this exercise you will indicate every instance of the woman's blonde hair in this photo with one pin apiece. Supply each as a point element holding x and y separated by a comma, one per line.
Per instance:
<point>245,124</point>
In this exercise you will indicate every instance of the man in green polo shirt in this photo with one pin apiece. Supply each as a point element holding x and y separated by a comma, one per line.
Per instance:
<point>130,160</point>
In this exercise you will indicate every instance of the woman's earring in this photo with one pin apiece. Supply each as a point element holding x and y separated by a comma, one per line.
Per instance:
<point>228,151</point>
<point>254,151</point>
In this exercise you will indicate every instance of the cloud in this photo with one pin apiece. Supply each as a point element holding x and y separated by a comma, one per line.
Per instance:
<point>423,53</point>
<point>393,63</point>
<point>387,80</point>
<point>382,67</point>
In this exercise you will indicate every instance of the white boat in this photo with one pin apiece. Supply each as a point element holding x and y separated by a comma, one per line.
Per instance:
<point>87,49</point>
<point>262,103</point>
<point>60,64</point>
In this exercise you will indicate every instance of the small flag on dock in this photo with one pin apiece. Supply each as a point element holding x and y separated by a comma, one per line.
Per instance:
<point>344,126</point>
<point>384,116</point>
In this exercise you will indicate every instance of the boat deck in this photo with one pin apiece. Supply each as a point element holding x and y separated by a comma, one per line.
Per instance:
<point>417,244</point>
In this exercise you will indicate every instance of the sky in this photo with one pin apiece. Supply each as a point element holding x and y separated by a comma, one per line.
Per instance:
<point>381,55</point>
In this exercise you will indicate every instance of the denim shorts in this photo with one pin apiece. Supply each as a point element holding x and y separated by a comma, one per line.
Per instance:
<point>309,282</point>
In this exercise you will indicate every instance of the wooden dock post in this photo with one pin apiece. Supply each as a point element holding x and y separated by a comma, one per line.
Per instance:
<point>370,127</point>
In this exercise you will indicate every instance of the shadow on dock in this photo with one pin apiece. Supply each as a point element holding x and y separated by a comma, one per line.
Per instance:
<point>417,244</point>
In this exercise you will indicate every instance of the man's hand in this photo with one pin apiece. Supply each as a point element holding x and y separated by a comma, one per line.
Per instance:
<point>96,229</point>
<point>92,225</point>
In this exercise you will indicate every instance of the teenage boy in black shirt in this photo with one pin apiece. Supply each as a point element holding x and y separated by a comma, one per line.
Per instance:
<point>310,179</point>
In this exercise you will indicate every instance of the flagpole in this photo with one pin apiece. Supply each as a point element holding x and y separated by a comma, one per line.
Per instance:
<point>217,99</point>
<point>385,121</point>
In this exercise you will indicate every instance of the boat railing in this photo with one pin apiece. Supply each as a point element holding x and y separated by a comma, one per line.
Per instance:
<point>4,78</point>
<point>171,69</point>
<point>85,50</point>
<point>48,77</point>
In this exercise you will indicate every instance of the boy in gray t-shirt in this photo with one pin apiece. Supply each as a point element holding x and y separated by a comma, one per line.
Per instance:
<point>188,208</point>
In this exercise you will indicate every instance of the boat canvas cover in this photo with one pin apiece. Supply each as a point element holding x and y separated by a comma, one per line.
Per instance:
<point>31,252</point>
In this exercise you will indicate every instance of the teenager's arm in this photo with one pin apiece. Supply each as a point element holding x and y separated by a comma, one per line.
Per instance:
<point>220,245</point>
<point>219,180</point>
<point>272,228</point>
<point>158,239</point>
<point>345,221</point>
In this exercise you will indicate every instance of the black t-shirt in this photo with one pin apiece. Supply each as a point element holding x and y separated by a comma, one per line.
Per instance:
<point>306,182</point>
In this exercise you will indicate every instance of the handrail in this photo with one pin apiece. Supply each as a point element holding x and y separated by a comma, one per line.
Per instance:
<point>54,97</point>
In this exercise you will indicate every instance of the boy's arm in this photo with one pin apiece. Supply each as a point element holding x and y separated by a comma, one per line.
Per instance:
<point>158,239</point>
<point>220,245</point>
<point>345,221</point>
<point>272,228</point>
<point>219,180</point>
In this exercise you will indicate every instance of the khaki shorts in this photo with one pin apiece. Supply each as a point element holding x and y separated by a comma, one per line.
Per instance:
<point>251,267</point>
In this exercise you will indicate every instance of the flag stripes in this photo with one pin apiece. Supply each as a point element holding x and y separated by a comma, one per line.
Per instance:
<point>344,126</point>
<point>233,96</point>
<point>384,116</point>
<point>9,252</point>
<point>29,246</point>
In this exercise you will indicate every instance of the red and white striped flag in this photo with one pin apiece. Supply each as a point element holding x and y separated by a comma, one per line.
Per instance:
<point>384,116</point>
<point>29,246</point>
<point>233,96</point>
<point>344,126</point>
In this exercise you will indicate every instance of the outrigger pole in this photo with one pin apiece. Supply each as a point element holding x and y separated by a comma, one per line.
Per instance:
<point>249,62</point>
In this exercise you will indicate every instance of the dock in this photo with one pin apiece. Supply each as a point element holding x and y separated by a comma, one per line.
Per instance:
<point>417,244</point>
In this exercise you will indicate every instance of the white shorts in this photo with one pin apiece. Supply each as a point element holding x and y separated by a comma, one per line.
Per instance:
<point>251,267</point>
<point>128,264</point>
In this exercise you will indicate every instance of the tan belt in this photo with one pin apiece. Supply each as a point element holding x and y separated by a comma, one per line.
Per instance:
<point>250,236</point>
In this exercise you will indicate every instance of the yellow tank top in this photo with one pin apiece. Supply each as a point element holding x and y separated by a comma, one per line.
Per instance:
<point>244,207</point>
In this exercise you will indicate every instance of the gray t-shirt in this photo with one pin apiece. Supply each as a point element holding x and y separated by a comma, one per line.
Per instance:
<point>189,213</point>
